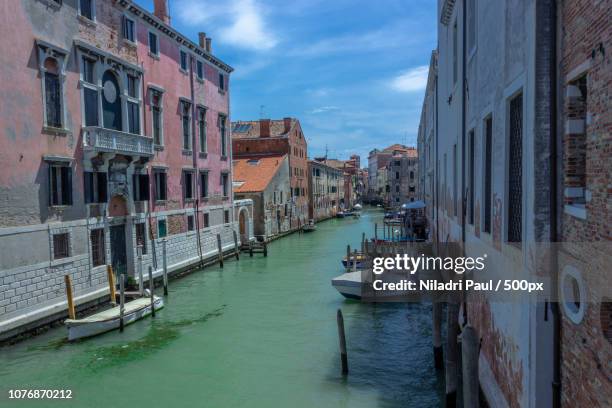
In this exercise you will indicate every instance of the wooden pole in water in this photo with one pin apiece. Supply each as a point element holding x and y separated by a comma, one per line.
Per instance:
<point>348,258</point>
<point>111,284</point>
<point>452,351</point>
<point>165,267</point>
<point>236,250</point>
<point>469,356</point>
<point>121,300</point>
<point>251,249</point>
<point>151,289</point>
<point>355,261</point>
<point>71,312</point>
<point>140,281</point>
<point>342,340</point>
<point>437,334</point>
<point>220,249</point>
<point>265,248</point>
<point>363,243</point>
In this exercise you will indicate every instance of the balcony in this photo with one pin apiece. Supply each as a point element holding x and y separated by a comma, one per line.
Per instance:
<point>98,139</point>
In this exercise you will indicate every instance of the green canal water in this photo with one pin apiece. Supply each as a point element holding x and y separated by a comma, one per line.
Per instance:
<point>259,333</point>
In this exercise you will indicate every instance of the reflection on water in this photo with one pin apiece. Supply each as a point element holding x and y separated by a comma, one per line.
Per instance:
<point>259,333</point>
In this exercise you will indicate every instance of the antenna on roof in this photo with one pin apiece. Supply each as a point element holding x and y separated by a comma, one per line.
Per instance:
<point>325,152</point>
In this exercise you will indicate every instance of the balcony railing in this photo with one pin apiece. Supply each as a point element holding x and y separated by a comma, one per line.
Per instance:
<point>114,141</point>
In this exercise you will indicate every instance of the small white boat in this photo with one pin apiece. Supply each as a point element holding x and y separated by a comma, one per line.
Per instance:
<point>108,320</point>
<point>357,207</point>
<point>348,284</point>
<point>309,227</point>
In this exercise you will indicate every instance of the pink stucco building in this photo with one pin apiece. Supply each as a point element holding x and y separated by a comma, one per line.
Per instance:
<point>115,134</point>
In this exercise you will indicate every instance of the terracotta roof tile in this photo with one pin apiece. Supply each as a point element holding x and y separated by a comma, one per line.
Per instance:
<point>253,174</point>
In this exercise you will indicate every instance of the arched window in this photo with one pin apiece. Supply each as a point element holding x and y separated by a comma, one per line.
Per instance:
<point>111,101</point>
<point>53,94</point>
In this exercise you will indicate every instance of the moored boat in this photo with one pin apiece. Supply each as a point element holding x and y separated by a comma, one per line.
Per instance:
<point>361,261</point>
<point>109,319</point>
<point>309,227</point>
<point>348,284</point>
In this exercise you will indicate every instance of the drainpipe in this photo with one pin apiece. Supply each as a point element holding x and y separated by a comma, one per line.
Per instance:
<point>194,151</point>
<point>554,202</point>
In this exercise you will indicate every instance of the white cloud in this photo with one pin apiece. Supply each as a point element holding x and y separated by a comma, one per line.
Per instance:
<point>237,22</point>
<point>412,80</point>
<point>323,109</point>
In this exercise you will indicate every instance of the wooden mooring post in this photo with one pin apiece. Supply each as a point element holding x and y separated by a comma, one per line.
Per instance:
<point>220,249</point>
<point>151,290</point>
<point>69,298</point>
<point>165,267</point>
<point>363,240</point>
<point>111,284</point>
<point>121,300</point>
<point>236,249</point>
<point>469,355</point>
<point>437,334</point>
<point>348,258</point>
<point>452,352</point>
<point>140,281</point>
<point>355,261</point>
<point>342,340</point>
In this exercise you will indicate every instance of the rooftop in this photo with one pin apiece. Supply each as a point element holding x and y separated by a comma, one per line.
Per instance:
<point>253,128</point>
<point>252,174</point>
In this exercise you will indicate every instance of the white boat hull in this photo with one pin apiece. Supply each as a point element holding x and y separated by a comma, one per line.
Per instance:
<point>109,319</point>
<point>349,285</point>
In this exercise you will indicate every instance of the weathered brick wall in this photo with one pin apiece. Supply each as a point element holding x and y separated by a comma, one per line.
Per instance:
<point>586,43</point>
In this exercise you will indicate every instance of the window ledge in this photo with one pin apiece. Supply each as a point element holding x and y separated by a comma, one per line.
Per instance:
<point>183,71</point>
<point>160,202</point>
<point>59,207</point>
<point>221,91</point>
<point>203,155</point>
<point>154,56</point>
<point>52,4</point>
<point>187,152</point>
<point>158,147</point>
<point>224,158</point>
<point>200,80</point>
<point>55,131</point>
<point>129,43</point>
<point>189,200</point>
<point>576,210</point>
<point>86,21</point>
<point>62,261</point>
<point>204,199</point>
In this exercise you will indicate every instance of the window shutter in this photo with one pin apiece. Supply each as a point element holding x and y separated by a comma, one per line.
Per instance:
<point>66,176</point>
<point>52,186</point>
<point>144,186</point>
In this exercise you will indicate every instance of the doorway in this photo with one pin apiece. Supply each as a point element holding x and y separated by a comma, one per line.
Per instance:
<point>118,250</point>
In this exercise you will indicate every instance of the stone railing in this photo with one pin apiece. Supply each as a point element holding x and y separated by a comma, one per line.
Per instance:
<point>114,141</point>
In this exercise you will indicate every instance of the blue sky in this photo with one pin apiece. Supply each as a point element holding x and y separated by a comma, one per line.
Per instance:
<point>353,72</point>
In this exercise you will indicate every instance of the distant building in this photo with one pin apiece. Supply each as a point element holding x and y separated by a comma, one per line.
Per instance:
<point>266,181</point>
<point>325,183</point>
<point>402,178</point>
<point>284,136</point>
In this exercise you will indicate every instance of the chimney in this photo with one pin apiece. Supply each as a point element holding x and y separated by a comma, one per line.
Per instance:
<point>160,9</point>
<point>287,123</point>
<point>209,45</point>
<point>202,39</point>
<point>264,127</point>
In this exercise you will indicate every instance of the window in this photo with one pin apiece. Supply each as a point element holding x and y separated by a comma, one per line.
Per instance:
<point>471,24</point>
<point>225,184</point>
<point>141,237</point>
<point>202,130</point>
<point>98,252</point>
<point>128,29</point>
<point>153,44</point>
<point>204,184</point>
<point>206,220</point>
<point>53,94</point>
<point>86,8</point>
<point>186,121</point>
<point>156,114</point>
<point>95,187</point>
<point>183,57</point>
<point>226,216</point>
<point>455,52</point>
<point>90,92</point>
<point>161,229</point>
<point>575,146</point>
<point>60,184</point>
<point>188,184</point>
<point>397,189</point>
<point>515,170</point>
<point>411,189</point>
<point>412,175</point>
<point>61,245</point>
<point>397,175</point>
<point>200,70</point>
<point>471,183</point>
<point>190,223</point>
<point>488,179</point>
<point>160,185</point>
<point>133,104</point>
<point>140,187</point>
<point>221,81</point>
<point>222,120</point>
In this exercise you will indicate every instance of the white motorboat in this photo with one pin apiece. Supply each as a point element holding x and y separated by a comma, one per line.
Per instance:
<point>348,284</point>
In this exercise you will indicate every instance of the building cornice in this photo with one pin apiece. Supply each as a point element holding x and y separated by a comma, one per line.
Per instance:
<point>447,11</point>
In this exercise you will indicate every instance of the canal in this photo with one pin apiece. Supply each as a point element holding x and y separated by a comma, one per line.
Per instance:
<point>259,333</point>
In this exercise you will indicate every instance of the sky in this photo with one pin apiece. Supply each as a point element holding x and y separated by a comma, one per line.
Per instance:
<point>353,72</point>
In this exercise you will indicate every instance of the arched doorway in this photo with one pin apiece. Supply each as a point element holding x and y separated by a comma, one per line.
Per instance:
<point>118,239</point>
<point>243,225</point>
